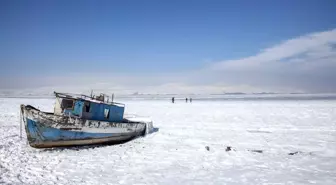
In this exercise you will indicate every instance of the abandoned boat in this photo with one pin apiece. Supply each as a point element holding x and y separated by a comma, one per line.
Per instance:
<point>80,120</point>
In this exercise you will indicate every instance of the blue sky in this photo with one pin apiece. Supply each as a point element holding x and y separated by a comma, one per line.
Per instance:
<point>136,38</point>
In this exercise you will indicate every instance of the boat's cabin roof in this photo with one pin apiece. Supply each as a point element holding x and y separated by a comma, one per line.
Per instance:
<point>102,98</point>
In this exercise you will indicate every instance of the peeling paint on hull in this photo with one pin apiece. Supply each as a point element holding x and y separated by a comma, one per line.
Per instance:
<point>44,131</point>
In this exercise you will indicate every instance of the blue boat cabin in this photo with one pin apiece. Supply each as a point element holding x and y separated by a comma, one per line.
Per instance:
<point>91,108</point>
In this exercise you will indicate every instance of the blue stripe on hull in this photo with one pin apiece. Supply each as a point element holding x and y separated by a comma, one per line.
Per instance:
<point>39,132</point>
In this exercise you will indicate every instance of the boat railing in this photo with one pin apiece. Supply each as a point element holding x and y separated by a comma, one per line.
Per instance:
<point>88,98</point>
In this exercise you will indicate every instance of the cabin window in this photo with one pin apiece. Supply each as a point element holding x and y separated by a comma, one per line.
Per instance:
<point>106,113</point>
<point>87,107</point>
<point>67,104</point>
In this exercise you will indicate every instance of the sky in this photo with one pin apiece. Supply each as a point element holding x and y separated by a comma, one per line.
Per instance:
<point>168,46</point>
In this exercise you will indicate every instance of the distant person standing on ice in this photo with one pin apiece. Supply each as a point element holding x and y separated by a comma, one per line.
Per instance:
<point>173,99</point>
<point>190,99</point>
<point>186,100</point>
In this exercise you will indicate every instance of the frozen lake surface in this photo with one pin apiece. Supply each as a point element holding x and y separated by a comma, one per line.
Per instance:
<point>189,146</point>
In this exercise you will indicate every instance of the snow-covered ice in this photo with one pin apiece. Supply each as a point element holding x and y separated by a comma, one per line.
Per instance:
<point>176,153</point>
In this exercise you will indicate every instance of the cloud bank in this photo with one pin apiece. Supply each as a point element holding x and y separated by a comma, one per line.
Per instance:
<point>306,63</point>
<point>303,64</point>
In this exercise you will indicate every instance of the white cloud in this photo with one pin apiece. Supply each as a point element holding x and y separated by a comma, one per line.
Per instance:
<point>312,46</point>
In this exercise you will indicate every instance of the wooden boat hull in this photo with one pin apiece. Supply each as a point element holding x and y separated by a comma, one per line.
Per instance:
<point>45,130</point>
